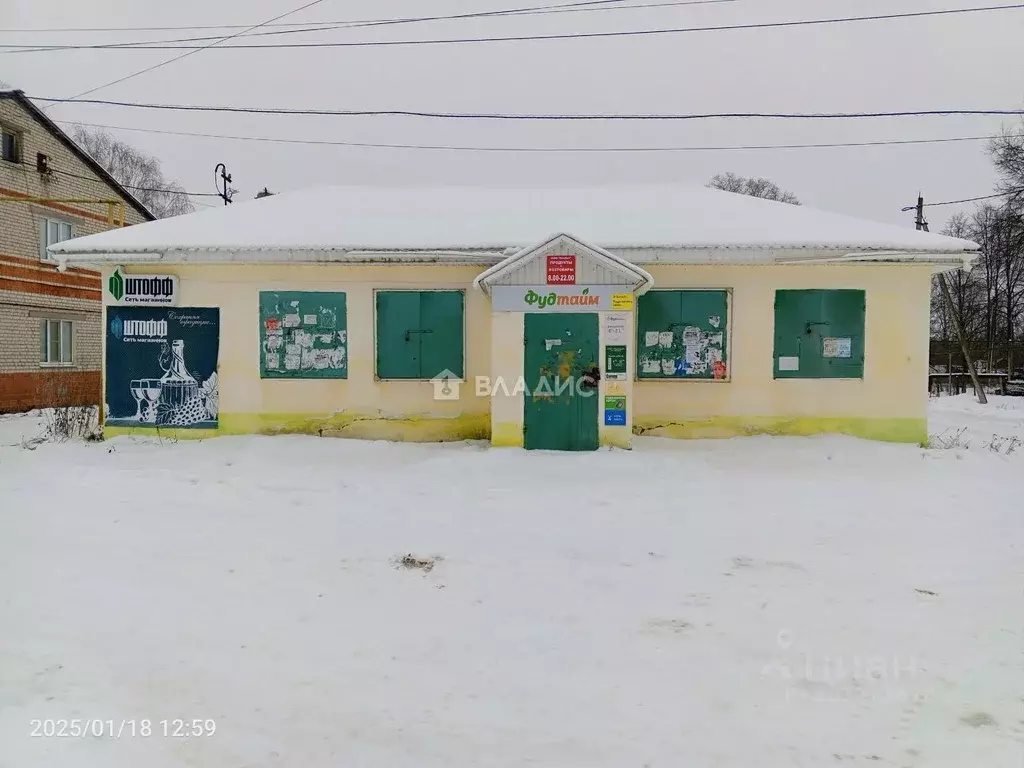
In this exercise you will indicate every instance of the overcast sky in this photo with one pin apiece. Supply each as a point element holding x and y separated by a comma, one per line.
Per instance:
<point>958,61</point>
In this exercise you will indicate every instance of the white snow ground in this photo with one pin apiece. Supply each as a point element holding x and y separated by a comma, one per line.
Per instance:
<point>749,602</point>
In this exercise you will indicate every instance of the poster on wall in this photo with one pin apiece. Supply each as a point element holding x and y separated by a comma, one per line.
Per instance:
<point>303,335</point>
<point>161,367</point>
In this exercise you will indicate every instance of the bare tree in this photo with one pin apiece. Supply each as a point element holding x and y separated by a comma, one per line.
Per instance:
<point>753,186</point>
<point>138,172</point>
<point>1007,151</point>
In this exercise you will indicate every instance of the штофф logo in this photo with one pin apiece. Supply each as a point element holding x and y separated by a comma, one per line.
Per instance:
<point>116,285</point>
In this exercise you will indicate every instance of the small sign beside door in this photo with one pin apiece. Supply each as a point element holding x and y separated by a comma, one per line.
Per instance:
<point>622,302</point>
<point>615,411</point>
<point>615,362</point>
<point>562,269</point>
<point>615,329</point>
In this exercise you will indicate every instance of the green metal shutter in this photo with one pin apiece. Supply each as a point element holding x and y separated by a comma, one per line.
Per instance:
<point>672,312</point>
<point>811,323</point>
<point>398,336</point>
<point>441,340</point>
<point>317,317</point>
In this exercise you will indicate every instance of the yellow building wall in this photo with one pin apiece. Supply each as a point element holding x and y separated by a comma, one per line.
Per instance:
<point>359,406</point>
<point>889,403</point>
<point>507,331</point>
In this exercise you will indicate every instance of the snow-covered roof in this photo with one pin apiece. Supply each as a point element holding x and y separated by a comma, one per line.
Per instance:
<point>460,219</point>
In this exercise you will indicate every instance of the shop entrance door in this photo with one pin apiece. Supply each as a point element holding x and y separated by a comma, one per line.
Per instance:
<point>561,354</point>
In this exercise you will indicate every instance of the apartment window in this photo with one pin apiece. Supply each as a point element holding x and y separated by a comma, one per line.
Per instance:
<point>10,146</point>
<point>57,231</point>
<point>51,232</point>
<point>56,342</point>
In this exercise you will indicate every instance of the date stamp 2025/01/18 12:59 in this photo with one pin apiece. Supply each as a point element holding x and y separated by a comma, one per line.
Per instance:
<point>81,728</point>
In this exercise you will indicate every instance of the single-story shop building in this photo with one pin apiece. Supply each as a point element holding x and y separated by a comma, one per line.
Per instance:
<point>545,318</point>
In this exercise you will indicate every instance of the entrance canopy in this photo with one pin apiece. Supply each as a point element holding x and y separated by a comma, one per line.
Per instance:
<point>564,261</point>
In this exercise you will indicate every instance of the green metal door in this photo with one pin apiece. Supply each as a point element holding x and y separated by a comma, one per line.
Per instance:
<point>560,409</point>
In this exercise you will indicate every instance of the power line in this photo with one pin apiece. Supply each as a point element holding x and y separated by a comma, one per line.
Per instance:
<point>128,186</point>
<point>974,199</point>
<point>192,52</point>
<point>590,6</point>
<point>530,116</point>
<point>587,5</point>
<point>566,36</point>
<point>451,148</point>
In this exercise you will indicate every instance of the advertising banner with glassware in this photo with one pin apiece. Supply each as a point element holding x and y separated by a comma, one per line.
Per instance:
<point>161,367</point>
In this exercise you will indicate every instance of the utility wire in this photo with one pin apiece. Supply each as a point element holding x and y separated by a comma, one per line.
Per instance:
<point>586,5</point>
<point>330,26</point>
<point>530,116</point>
<point>566,36</point>
<point>191,52</point>
<point>127,186</point>
<point>451,148</point>
<point>972,199</point>
<point>576,7</point>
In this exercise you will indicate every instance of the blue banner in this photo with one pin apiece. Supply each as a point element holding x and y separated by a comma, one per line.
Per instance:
<point>161,367</point>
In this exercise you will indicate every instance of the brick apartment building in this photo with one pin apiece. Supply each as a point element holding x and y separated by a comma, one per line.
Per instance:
<point>49,320</point>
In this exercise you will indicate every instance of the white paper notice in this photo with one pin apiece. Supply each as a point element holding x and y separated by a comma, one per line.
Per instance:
<point>651,339</point>
<point>292,350</point>
<point>273,342</point>
<point>291,321</point>
<point>342,336</point>
<point>615,329</point>
<point>549,343</point>
<point>651,366</point>
<point>668,367</point>
<point>273,361</point>
<point>291,362</point>
<point>714,355</point>
<point>714,321</point>
<point>692,355</point>
<point>789,363</point>
<point>309,319</point>
<point>841,347</point>
<point>665,339</point>
<point>691,335</point>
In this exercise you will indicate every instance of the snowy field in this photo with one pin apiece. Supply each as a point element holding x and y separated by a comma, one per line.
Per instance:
<point>750,602</point>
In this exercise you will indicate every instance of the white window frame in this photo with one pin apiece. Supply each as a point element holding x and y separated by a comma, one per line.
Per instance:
<point>62,226</point>
<point>65,332</point>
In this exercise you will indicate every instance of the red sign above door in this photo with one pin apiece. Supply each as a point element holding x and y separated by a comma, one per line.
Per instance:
<point>562,269</point>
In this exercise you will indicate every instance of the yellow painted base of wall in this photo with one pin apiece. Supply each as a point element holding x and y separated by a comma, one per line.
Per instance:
<point>620,437</point>
<point>425,429</point>
<point>507,435</point>
<point>415,429</point>
<point>888,430</point>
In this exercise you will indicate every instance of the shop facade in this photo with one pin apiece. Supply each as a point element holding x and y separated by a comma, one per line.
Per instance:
<point>563,345</point>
